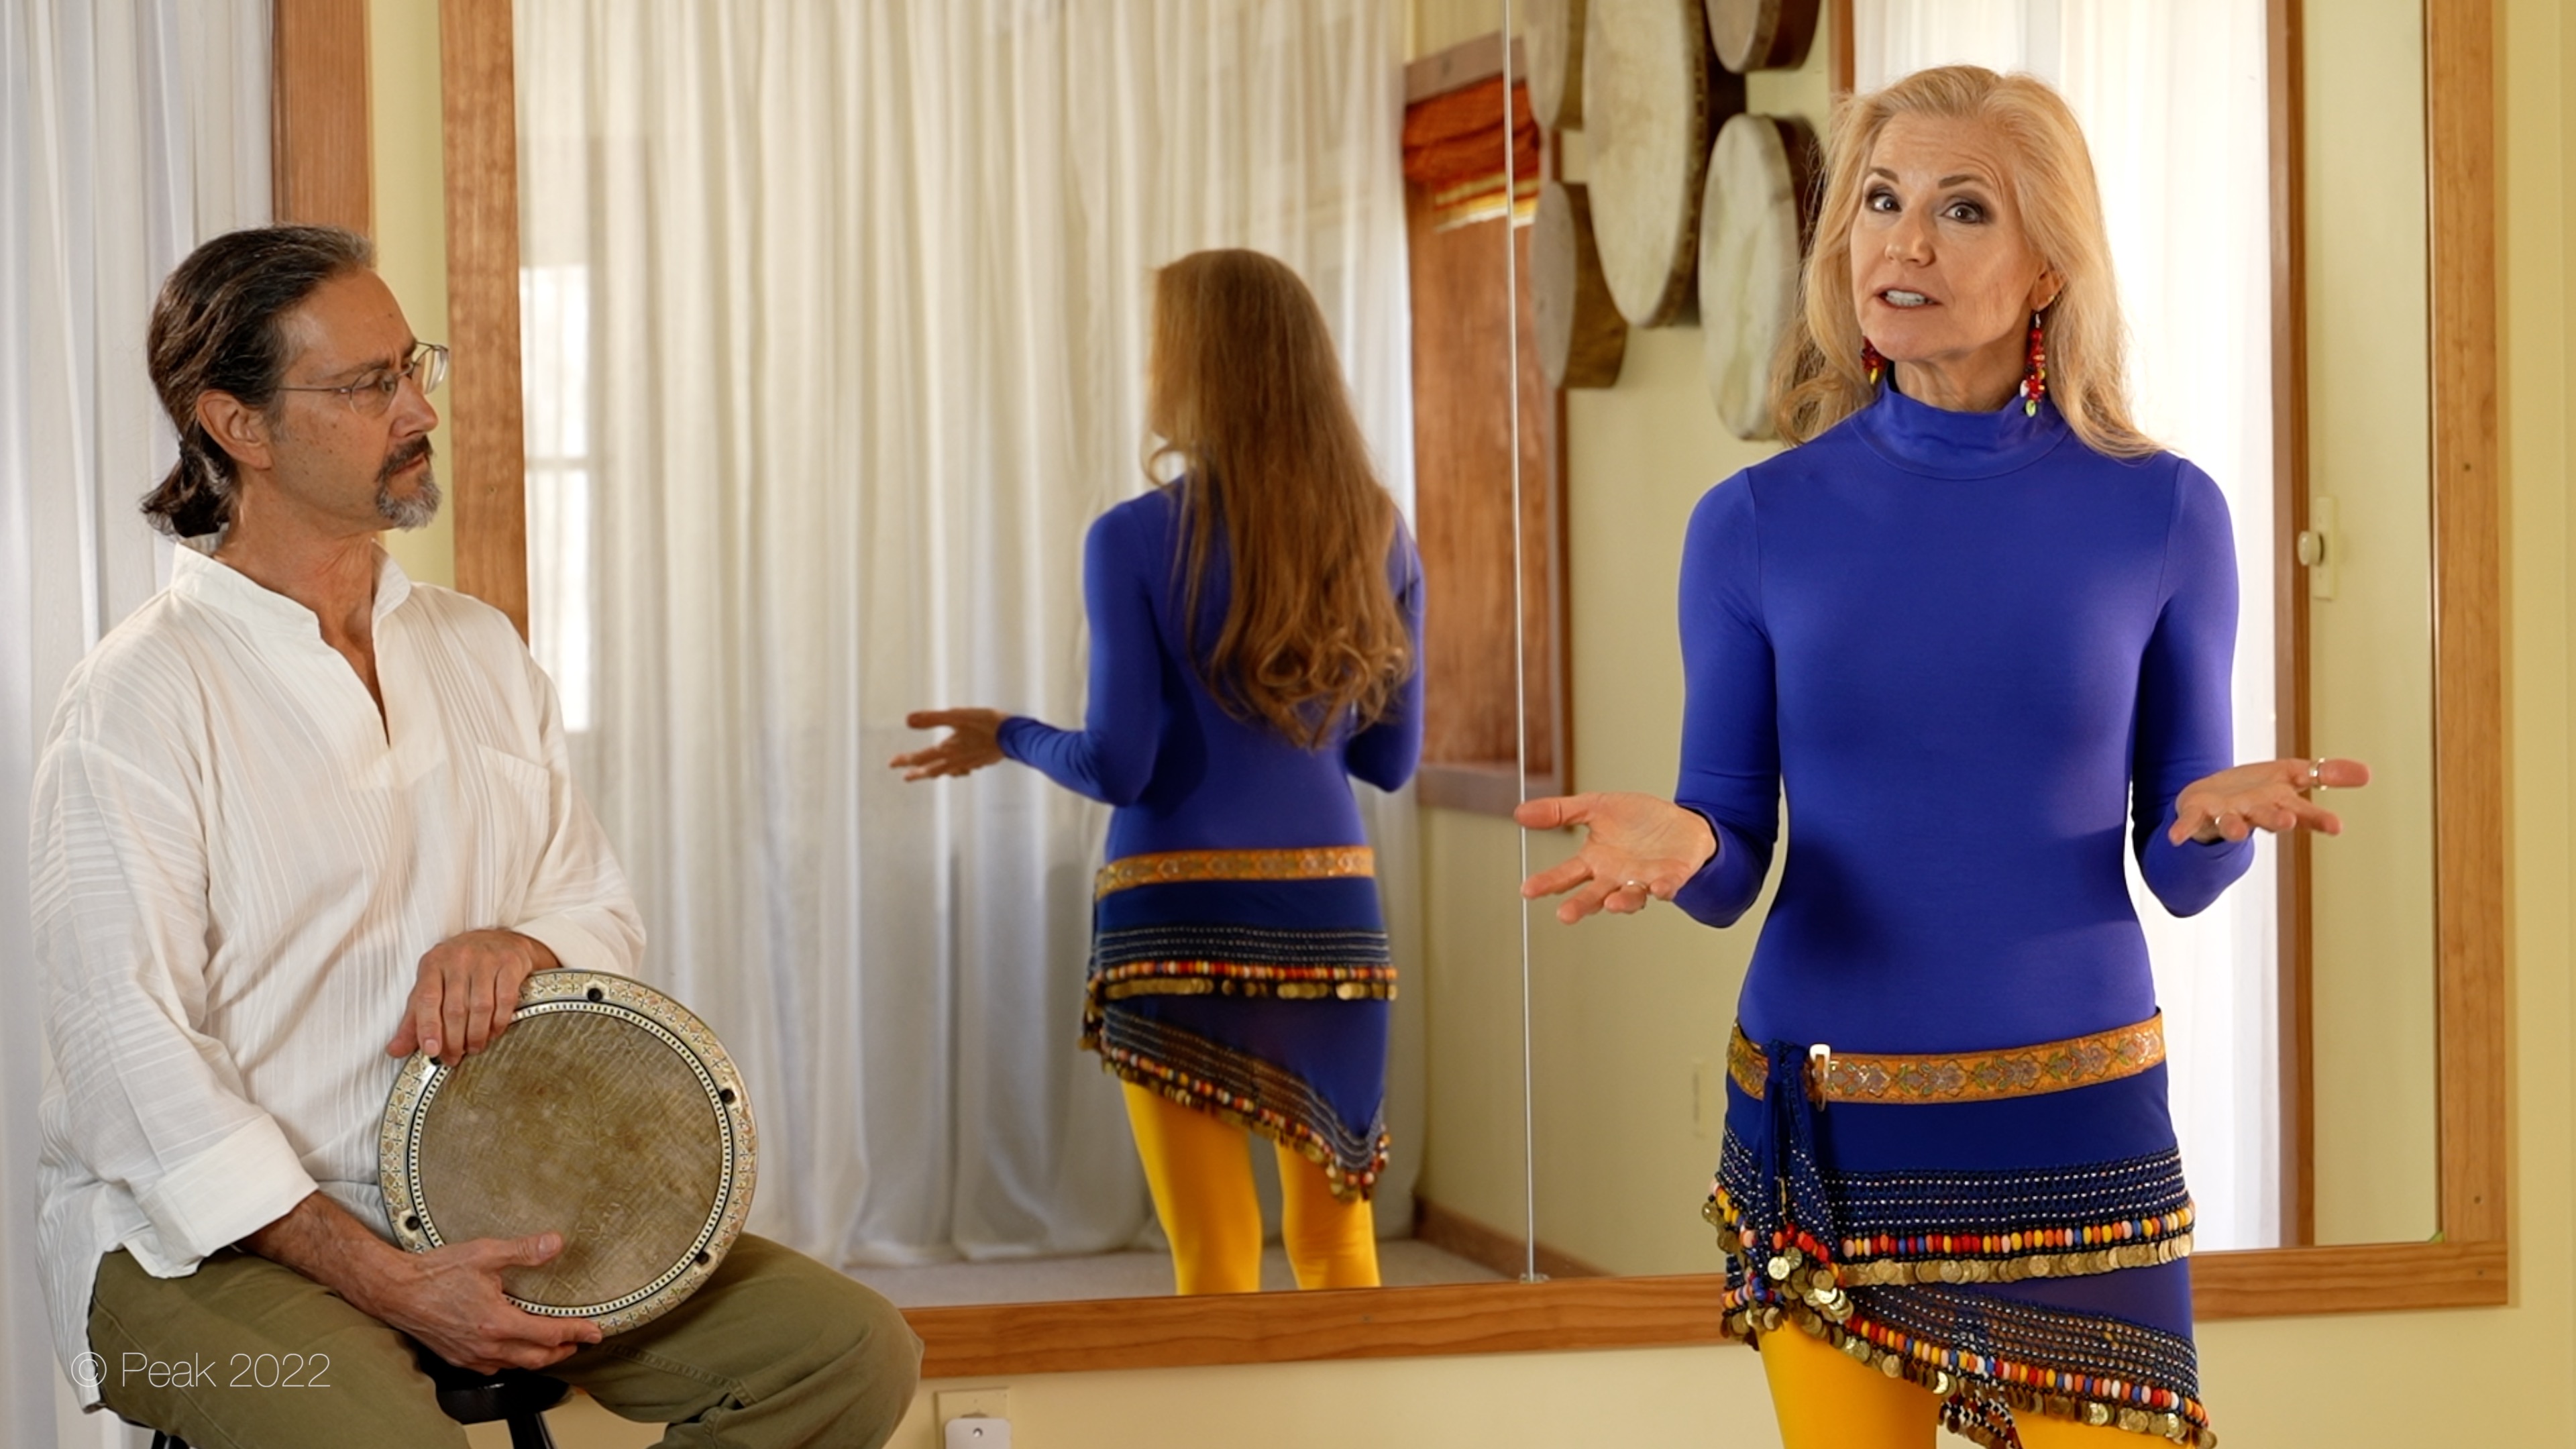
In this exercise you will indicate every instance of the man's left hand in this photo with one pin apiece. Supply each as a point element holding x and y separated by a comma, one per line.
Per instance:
<point>467,993</point>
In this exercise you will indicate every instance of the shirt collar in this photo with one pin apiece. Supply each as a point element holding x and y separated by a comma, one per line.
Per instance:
<point>195,573</point>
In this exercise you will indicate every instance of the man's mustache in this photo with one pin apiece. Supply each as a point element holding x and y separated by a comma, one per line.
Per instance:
<point>403,457</point>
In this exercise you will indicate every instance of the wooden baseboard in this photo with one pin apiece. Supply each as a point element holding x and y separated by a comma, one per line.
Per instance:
<point>1461,1236</point>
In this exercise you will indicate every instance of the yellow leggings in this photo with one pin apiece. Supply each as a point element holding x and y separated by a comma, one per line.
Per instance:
<point>1826,1399</point>
<point>1201,1178</point>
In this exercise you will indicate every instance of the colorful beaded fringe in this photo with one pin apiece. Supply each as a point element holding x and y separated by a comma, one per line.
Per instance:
<point>1872,1262</point>
<point>1222,960</point>
<point>1258,1096</point>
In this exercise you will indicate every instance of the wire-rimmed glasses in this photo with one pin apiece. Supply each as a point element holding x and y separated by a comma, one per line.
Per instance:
<point>372,394</point>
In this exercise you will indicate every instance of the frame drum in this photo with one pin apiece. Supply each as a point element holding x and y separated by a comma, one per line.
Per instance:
<point>1652,97</point>
<point>607,1113</point>
<point>1752,233</point>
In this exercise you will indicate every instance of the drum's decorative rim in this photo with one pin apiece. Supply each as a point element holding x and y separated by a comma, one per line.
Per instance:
<point>564,991</point>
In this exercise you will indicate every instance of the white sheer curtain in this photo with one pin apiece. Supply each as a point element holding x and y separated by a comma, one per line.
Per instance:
<point>2173,96</point>
<point>129,132</point>
<point>835,338</point>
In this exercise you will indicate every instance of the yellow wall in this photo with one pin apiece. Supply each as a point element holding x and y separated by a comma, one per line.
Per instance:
<point>2370,665</point>
<point>2486,1376</point>
<point>411,221</point>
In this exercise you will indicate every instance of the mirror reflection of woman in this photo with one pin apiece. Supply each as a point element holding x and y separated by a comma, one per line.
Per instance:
<point>1255,628</point>
<point>1978,629</point>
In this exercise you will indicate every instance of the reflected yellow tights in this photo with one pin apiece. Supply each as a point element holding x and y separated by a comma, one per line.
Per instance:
<point>1826,1399</point>
<point>1201,1178</point>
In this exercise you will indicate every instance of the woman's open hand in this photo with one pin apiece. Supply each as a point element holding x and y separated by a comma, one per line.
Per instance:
<point>1635,848</point>
<point>2269,795</point>
<point>973,742</point>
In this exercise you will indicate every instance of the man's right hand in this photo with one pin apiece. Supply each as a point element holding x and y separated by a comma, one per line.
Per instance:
<point>449,1298</point>
<point>451,1301</point>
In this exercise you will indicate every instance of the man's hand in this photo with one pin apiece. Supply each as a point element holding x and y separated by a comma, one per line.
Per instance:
<point>451,1302</point>
<point>449,1299</point>
<point>467,992</point>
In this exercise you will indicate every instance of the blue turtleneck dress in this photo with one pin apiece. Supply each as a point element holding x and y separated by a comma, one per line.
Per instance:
<point>1239,957</point>
<point>1979,661</point>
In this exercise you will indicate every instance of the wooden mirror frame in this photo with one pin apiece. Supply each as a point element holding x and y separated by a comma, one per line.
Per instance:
<point>2469,1265</point>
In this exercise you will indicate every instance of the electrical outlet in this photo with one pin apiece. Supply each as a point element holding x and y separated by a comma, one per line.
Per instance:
<point>975,1431</point>
<point>950,1404</point>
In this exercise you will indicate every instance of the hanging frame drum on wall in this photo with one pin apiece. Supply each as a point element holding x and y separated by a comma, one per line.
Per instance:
<point>1582,339</point>
<point>1762,34</point>
<point>1652,96</point>
<point>1553,41</point>
<point>607,1113</point>
<point>1753,230</point>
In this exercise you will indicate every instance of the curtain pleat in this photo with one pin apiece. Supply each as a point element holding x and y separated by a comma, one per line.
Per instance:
<point>130,131</point>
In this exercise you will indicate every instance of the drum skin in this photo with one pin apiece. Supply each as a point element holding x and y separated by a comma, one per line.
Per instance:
<point>607,1113</point>
<point>1652,98</point>
<point>1582,339</point>
<point>1751,239</point>
<point>1553,40</point>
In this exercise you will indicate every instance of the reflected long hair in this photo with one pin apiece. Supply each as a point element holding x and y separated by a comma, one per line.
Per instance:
<point>1818,380</point>
<point>1246,396</point>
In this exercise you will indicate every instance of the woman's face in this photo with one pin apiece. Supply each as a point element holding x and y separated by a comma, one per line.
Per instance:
<point>1942,274</point>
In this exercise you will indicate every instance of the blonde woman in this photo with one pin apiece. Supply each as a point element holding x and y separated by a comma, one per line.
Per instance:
<point>1254,631</point>
<point>1979,630</point>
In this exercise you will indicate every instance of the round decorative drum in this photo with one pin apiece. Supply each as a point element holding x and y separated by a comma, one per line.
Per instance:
<point>1749,245</point>
<point>1649,103</point>
<point>1581,338</point>
<point>1761,34</point>
<point>1552,38</point>
<point>607,1113</point>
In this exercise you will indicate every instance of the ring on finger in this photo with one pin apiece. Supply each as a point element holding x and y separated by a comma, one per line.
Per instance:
<point>1641,888</point>
<point>2317,773</point>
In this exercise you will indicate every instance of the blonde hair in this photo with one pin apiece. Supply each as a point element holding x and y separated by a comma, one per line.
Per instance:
<point>1248,398</point>
<point>1818,379</point>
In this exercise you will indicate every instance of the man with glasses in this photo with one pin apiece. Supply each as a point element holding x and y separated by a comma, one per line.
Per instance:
<point>297,817</point>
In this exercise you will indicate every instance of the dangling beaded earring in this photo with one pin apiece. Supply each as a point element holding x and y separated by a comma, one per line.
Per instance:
<point>2034,384</point>
<point>1870,361</point>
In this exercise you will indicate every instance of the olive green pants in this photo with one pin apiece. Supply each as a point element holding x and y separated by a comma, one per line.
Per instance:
<point>776,1350</point>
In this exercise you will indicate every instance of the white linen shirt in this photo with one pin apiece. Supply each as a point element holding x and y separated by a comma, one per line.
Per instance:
<point>238,864</point>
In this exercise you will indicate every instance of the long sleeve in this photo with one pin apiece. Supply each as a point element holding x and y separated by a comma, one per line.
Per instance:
<point>148,1101</point>
<point>1730,765</point>
<point>2185,731</point>
<point>1111,757</point>
<point>578,902</point>
<point>1386,753</point>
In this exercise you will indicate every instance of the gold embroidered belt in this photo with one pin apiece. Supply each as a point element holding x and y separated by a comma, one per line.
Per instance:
<point>2056,1066</point>
<point>1175,867</point>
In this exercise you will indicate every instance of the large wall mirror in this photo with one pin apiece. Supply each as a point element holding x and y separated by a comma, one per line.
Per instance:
<point>2381,1125</point>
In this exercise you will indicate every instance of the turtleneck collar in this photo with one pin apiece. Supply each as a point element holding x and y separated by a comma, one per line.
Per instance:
<point>1937,443</point>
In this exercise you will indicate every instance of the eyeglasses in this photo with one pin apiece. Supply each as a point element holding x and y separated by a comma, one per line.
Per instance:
<point>371,395</point>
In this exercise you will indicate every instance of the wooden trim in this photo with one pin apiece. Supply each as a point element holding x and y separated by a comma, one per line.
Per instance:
<point>1076,1337</point>
<point>487,464</point>
<point>321,149</point>
<point>2290,682</point>
<point>2470,860</point>
<point>1490,1247</point>
<point>1479,788</point>
<point>1843,61</point>
<point>1578,1313</point>
<point>2356,1278</point>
